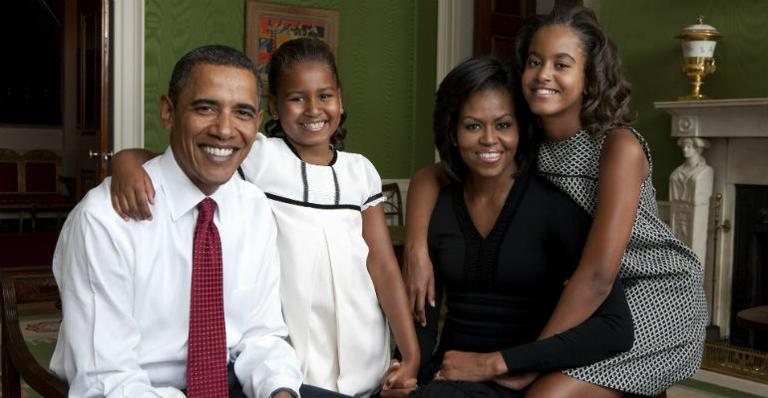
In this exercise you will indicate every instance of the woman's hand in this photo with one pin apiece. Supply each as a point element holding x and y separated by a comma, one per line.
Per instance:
<point>131,188</point>
<point>399,380</point>
<point>516,382</point>
<point>471,366</point>
<point>419,281</point>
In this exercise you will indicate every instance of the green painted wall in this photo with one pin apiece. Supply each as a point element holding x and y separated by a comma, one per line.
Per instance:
<point>386,61</point>
<point>645,33</point>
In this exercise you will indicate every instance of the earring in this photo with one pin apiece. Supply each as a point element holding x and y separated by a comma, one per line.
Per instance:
<point>274,116</point>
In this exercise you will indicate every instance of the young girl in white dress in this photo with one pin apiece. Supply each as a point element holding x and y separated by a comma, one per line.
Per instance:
<point>338,268</point>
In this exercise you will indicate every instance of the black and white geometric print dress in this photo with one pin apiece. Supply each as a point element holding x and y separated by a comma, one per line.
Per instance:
<point>329,303</point>
<point>662,278</point>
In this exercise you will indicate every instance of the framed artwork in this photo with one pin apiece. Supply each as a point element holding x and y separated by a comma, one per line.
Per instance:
<point>269,25</point>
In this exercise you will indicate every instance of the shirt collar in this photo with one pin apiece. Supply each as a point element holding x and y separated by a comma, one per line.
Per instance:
<point>182,194</point>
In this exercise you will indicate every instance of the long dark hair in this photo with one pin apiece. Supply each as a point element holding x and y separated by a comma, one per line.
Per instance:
<point>295,52</point>
<point>607,93</point>
<point>472,76</point>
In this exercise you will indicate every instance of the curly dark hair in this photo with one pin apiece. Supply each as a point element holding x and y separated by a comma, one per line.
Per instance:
<point>294,52</point>
<point>469,77</point>
<point>605,105</point>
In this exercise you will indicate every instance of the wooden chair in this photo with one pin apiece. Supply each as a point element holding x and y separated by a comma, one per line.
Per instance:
<point>11,187</point>
<point>38,187</point>
<point>10,173</point>
<point>41,171</point>
<point>22,286</point>
<point>393,203</point>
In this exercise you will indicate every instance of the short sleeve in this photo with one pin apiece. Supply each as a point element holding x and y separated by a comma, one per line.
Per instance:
<point>257,160</point>
<point>372,184</point>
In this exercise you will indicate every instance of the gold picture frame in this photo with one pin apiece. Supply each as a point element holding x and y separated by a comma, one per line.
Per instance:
<point>268,25</point>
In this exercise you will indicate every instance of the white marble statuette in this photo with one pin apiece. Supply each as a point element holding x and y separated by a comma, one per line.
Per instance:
<point>690,189</point>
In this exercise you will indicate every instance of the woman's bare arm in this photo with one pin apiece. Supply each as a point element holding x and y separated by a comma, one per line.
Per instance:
<point>419,276</point>
<point>622,169</point>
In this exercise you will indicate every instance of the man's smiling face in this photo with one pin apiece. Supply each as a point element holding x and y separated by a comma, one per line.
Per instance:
<point>213,123</point>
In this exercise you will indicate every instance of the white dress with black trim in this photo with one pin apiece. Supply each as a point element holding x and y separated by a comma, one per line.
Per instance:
<point>329,303</point>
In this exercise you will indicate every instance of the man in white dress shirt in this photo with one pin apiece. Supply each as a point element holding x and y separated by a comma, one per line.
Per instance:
<point>125,285</point>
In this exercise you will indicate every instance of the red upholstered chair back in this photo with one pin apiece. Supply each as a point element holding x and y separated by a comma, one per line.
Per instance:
<point>9,171</point>
<point>41,171</point>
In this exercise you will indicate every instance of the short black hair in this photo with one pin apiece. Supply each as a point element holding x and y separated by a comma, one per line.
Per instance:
<point>291,53</point>
<point>215,54</point>
<point>469,77</point>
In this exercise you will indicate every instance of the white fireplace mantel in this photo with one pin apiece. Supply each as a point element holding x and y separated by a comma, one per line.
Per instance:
<point>745,117</point>
<point>737,131</point>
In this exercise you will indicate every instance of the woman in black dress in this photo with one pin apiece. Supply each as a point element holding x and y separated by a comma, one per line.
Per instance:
<point>503,242</point>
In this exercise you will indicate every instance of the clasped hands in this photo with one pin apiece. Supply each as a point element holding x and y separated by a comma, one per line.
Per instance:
<point>456,365</point>
<point>397,382</point>
<point>479,367</point>
<point>464,366</point>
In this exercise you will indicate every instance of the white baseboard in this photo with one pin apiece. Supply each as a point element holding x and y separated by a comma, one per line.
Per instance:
<point>734,383</point>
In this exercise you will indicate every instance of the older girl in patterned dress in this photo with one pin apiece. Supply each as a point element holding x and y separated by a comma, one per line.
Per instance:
<point>573,84</point>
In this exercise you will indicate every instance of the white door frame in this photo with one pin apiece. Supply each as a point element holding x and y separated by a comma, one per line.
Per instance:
<point>455,22</point>
<point>128,75</point>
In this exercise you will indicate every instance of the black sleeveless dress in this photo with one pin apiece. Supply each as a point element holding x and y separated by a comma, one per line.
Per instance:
<point>500,289</point>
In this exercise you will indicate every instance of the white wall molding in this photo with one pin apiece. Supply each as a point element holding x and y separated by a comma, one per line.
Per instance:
<point>455,24</point>
<point>734,383</point>
<point>128,74</point>
<point>446,45</point>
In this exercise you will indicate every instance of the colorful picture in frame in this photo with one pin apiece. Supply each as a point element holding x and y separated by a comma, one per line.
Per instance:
<point>269,25</point>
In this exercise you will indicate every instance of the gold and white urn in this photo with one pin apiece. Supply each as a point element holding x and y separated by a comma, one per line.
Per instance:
<point>698,44</point>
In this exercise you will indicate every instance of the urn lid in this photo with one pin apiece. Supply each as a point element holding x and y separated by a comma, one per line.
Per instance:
<point>699,31</point>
